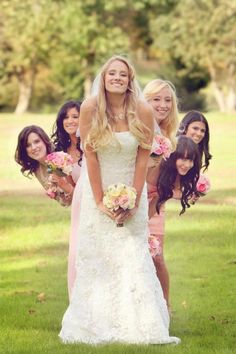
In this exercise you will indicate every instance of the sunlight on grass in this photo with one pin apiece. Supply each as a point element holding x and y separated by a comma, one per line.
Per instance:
<point>199,249</point>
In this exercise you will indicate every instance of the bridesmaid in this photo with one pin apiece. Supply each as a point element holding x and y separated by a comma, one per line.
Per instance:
<point>161,95</point>
<point>175,177</point>
<point>64,134</point>
<point>32,148</point>
<point>195,126</point>
<point>65,138</point>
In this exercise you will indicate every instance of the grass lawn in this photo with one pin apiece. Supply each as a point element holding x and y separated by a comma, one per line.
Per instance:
<point>199,248</point>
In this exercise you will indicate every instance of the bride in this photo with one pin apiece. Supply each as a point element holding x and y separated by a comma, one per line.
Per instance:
<point>116,296</point>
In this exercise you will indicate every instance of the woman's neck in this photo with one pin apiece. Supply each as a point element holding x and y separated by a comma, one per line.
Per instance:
<point>74,141</point>
<point>177,182</point>
<point>116,102</point>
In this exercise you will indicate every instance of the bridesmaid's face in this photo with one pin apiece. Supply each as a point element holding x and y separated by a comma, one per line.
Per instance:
<point>162,104</point>
<point>117,77</point>
<point>36,148</point>
<point>71,121</point>
<point>196,131</point>
<point>183,166</point>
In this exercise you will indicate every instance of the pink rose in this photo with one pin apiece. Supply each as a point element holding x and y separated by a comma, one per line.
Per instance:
<point>203,184</point>
<point>51,194</point>
<point>124,202</point>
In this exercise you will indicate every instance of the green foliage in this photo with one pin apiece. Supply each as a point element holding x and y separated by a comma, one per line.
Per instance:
<point>202,34</point>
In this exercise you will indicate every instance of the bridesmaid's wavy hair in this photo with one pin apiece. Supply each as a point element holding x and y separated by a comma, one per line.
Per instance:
<point>61,139</point>
<point>196,116</point>
<point>101,132</point>
<point>28,164</point>
<point>170,124</point>
<point>185,149</point>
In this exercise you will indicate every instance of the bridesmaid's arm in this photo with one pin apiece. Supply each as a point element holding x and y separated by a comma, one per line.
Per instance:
<point>146,115</point>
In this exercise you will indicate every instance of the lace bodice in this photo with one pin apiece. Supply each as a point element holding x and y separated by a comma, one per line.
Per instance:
<point>118,156</point>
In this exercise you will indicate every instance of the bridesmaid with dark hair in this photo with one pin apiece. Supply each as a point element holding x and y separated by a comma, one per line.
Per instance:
<point>32,148</point>
<point>64,134</point>
<point>195,126</point>
<point>175,177</point>
<point>66,138</point>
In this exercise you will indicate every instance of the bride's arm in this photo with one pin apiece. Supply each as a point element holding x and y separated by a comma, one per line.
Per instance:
<point>87,111</point>
<point>146,115</point>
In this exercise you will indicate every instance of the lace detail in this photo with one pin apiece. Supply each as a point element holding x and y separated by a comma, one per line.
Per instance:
<point>117,296</point>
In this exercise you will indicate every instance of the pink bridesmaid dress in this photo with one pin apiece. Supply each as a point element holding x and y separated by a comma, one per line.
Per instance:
<point>75,212</point>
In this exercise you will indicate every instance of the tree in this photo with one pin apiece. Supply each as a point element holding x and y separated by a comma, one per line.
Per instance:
<point>202,33</point>
<point>26,39</point>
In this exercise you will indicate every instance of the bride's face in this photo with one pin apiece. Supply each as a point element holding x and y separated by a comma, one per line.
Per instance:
<point>117,77</point>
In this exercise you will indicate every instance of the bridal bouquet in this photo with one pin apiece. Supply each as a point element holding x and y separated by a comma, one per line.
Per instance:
<point>60,163</point>
<point>161,147</point>
<point>203,187</point>
<point>119,196</point>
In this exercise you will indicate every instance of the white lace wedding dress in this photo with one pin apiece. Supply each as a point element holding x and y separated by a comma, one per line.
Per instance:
<point>117,296</point>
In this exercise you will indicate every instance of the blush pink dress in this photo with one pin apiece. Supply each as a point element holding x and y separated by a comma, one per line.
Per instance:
<point>75,212</point>
<point>156,225</point>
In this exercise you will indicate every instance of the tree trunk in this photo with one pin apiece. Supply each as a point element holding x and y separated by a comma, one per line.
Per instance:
<point>87,86</point>
<point>25,91</point>
<point>219,97</point>
<point>231,101</point>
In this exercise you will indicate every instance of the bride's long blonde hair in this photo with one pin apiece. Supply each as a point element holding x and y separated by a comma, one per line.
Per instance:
<point>101,131</point>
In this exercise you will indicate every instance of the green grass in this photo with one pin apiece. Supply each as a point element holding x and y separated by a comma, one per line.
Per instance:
<point>199,248</point>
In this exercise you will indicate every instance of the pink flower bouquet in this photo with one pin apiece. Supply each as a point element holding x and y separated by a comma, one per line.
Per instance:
<point>161,147</point>
<point>60,163</point>
<point>119,196</point>
<point>203,187</point>
<point>154,245</point>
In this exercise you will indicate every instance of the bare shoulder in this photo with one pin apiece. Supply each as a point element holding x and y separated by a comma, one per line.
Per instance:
<point>89,105</point>
<point>145,113</point>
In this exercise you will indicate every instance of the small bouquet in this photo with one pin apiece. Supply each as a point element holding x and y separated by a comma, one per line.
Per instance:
<point>161,147</point>
<point>154,245</point>
<point>119,196</point>
<point>60,163</point>
<point>203,187</point>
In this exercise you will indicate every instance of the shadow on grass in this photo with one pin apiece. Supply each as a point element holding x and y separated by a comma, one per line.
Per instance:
<point>22,210</point>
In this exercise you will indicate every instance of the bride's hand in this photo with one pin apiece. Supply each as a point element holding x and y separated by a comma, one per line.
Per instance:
<point>123,215</point>
<point>105,210</point>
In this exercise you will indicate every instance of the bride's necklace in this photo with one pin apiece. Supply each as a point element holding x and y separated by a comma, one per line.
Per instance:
<point>119,116</point>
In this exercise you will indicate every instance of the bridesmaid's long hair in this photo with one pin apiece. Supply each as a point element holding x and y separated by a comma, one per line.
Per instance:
<point>61,139</point>
<point>185,149</point>
<point>196,116</point>
<point>170,124</point>
<point>101,132</point>
<point>28,164</point>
